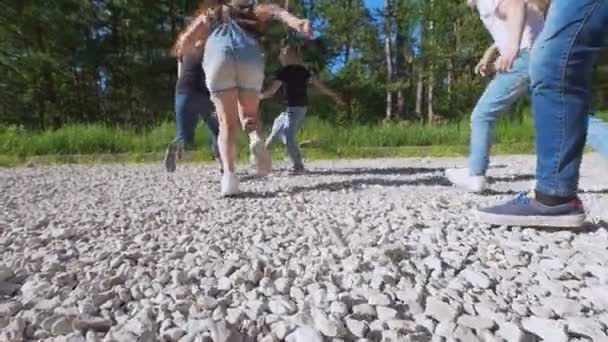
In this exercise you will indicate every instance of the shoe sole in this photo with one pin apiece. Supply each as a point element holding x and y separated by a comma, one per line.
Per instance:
<point>263,160</point>
<point>565,221</point>
<point>466,188</point>
<point>171,159</point>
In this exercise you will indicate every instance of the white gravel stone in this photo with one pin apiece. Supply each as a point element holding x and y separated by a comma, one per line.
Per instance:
<point>548,330</point>
<point>357,327</point>
<point>597,295</point>
<point>6,274</point>
<point>476,322</point>
<point>327,325</point>
<point>379,299</point>
<point>385,313</point>
<point>130,253</point>
<point>440,310</point>
<point>9,309</point>
<point>476,278</point>
<point>510,331</point>
<point>562,306</point>
<point>304,334</point>
<point>280,305</point>
<point>364,311</point>
<point>338,309</point>
<point>587,327</point>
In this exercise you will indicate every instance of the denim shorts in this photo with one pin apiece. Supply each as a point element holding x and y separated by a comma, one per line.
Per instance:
<point>233,59</point>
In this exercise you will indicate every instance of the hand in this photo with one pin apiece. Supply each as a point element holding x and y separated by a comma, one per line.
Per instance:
<point>303,26</point>
<point>506,60</point>
<point>483,67</point>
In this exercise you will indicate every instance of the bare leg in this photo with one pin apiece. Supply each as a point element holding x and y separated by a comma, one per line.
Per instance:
<point>249,112</point>
<point>227,112</point>
<point>249,115</point>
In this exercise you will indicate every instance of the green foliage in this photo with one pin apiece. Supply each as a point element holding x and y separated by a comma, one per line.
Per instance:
<point>106,63</point>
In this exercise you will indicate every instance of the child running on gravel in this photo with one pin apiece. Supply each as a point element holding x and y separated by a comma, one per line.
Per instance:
<point>293,77</point>
<point>234,68</point>
<point>510,83</point>
<point>191,101</point>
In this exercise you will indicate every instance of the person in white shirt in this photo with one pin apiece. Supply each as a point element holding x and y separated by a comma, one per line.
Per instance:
<point>514,26</point>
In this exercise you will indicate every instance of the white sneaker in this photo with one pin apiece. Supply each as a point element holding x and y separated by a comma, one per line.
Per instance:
<point>260,156</point>
<point>229,184</point>
<point>462,178</point>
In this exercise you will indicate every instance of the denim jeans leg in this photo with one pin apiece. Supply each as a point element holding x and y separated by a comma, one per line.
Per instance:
<point>278,128</point>
<point>295,116</point>
<point>504,90</point>
<point>560,71</point>
<point>186,118</point>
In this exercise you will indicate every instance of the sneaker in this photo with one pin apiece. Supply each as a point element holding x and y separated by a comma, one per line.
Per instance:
<point>260,157</point>
<point>525,210</point>
<point>463,179</point>
<point>171,156</point>
<point>229,184</point>
<point>297,170</point>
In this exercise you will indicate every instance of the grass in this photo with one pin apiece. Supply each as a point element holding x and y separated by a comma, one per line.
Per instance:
<point>101,143</point>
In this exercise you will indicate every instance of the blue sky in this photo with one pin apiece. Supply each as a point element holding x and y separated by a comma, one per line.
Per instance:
<point>374,3</point>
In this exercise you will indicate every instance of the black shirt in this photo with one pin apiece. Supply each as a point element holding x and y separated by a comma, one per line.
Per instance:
<point>192,78</point>
<point>295,84</point>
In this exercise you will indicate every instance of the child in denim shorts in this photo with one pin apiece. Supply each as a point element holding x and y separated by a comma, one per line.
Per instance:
<point>234,68</point>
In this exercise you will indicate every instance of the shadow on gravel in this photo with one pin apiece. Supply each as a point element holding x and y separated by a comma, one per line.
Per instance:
<point>589,227</point>
<point>508,179</point>
<point>404,171</point>
<point>490,192</point>
<point>347,185</point>
<point>357,183</point>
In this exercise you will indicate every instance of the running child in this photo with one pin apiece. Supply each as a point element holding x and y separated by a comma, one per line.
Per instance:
<point>234,68</point>
<point>191,101</point>
<point>293,77</point>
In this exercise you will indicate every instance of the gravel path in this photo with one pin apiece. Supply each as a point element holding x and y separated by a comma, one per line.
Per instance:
<point>372,250</point>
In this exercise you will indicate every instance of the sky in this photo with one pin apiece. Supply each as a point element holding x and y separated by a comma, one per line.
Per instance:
<point>374,3</point>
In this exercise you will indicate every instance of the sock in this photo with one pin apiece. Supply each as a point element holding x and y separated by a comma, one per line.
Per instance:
<point>552,201</point>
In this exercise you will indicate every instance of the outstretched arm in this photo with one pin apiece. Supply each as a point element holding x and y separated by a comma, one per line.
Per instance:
<point>194,34</point>
<point>266,12</point>
<point>276,85</point>
<point>515,14</point>
<point>325,90</point>
<point>486,60</point>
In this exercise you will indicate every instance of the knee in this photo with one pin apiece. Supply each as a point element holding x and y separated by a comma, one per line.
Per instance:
<point>250,124</point>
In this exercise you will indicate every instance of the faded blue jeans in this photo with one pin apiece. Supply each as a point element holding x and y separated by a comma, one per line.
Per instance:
<point>560,71</point>
<point>502,92</point>
<point>188,108</point>
<point>286,125</point>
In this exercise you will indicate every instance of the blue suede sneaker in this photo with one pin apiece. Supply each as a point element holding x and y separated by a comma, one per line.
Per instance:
<point>525,210</point>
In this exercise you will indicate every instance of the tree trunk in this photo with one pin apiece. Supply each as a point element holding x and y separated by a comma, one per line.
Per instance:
<point>419,90</point>
<point>430,89</point>
<point>389,58</point>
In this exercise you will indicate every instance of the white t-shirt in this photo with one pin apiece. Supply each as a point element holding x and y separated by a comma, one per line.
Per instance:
<point>498,26</point>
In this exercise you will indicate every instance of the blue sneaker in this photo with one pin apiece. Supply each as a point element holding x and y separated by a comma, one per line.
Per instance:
<point>525,210</point>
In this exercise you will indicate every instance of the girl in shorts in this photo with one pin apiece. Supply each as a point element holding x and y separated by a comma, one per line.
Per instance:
<point>234,67</point>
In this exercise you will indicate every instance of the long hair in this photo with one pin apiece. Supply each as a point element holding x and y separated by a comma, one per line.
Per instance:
<point>220,10</point>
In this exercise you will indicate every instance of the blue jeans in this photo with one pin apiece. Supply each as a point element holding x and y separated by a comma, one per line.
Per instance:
<point>560,72</point>
<point>597,136</point>
<point>188,108</point>
<point>502,92</point>
<point>286,125</point>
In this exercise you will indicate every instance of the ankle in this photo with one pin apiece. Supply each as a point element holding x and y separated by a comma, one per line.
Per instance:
<point>552,200</point>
